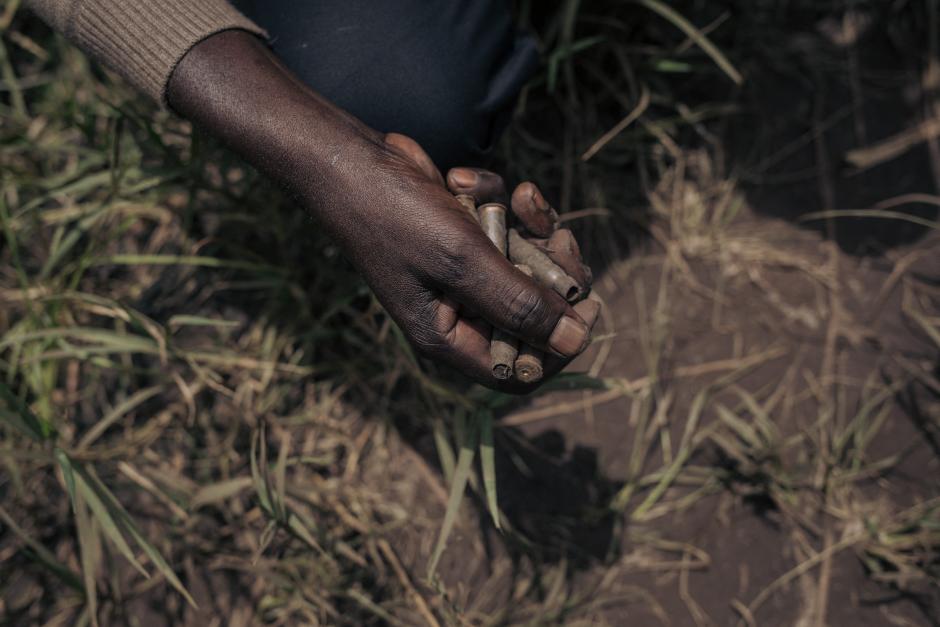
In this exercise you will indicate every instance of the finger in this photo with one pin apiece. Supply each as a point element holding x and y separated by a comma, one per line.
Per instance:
<point>466,348</point>
<point>589,310</point>
<point>413,151</point>
<point>483,185</point>
<point>563,249</point>
<point>534,212</point>
<point>490,285</point>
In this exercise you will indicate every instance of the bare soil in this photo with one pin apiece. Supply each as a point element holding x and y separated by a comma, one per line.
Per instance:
<point>824,299</point>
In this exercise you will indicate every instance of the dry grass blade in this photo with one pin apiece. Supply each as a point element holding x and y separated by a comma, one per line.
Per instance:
<point>488,465</point>
<point>894,146</point>
<point>185,260</point>
<point>116,414</point>
<point>467,435</point>
<point>900,519</point>
<point>870,213</point>
<point>218,492</point>
<point>364,601</point>
<point>607,137</point>
<point>928,326</point>
<point>392,558</point>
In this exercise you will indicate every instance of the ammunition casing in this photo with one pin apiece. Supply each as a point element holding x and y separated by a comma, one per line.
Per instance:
<point>528,366</point>
<point>544,270</point>
<point>493,220</point>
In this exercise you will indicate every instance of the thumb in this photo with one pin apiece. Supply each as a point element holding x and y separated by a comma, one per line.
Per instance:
<point>509,300</point>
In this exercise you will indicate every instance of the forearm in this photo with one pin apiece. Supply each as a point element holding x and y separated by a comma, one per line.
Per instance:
<point>235,88</point>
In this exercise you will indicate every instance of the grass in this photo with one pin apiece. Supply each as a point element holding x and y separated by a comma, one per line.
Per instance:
<point>205,415</point>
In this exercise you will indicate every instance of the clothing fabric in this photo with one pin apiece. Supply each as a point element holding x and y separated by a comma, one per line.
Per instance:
<point>142,40</point>
<point>445,72</point>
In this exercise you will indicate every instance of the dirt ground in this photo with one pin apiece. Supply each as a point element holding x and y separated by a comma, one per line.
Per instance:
<point>763,447</point>
<point>815,322</point>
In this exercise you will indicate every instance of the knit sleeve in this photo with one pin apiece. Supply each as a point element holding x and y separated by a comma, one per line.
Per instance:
<point>142,40</point>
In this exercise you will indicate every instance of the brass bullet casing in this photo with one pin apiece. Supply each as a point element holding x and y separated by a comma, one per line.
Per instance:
<point>563,249</point>
<point>544,270</point>
<point>504,349</point>
<point>528,367</point>
<point>493,220</point>
<point>469,204</point>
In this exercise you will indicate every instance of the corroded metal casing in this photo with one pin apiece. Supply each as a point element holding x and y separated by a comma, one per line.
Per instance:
<point>544,270</point>
<point>493,220</point>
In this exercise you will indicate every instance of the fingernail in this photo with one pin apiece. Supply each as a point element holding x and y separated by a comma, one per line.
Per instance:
<point>539,201</point>
<point>588,310</point>
<point>569,337</point>
<point>464,178</point>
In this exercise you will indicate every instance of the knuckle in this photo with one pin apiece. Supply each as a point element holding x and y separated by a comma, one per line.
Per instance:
<point>429,342</point>
<point>426,336</point>
<point>454,259</point>
<point>526,310</point>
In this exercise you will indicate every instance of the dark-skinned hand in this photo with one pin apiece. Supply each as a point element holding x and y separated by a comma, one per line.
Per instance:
<point>387,207</point>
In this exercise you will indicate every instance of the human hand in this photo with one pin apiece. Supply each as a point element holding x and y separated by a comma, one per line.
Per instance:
<point>441,279</point>
<point>385,204</point>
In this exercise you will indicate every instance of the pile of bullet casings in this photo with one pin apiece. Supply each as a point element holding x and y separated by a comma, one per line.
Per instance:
<point>541,250</point>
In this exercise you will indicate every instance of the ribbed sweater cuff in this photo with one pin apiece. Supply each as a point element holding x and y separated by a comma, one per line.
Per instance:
<point>144,40</point>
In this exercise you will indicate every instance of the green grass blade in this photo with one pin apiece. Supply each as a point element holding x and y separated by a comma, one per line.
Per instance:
<point>488,465</point>
<point>445,452</point>
<point>457,488</point>
<point>60,248</point>
<point>66,465</point>
<point>21,418</point>
<point>90,552</point>
<point>102,337</point>
<point>300,527</point>
<point>160,563</point>
<point>280,476</point>
<point>260,486</point>
<point>109,526</point>
<point>565,52</point>
<point>126,523</point>
<point>685,451</point>
<point>700,39</point>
